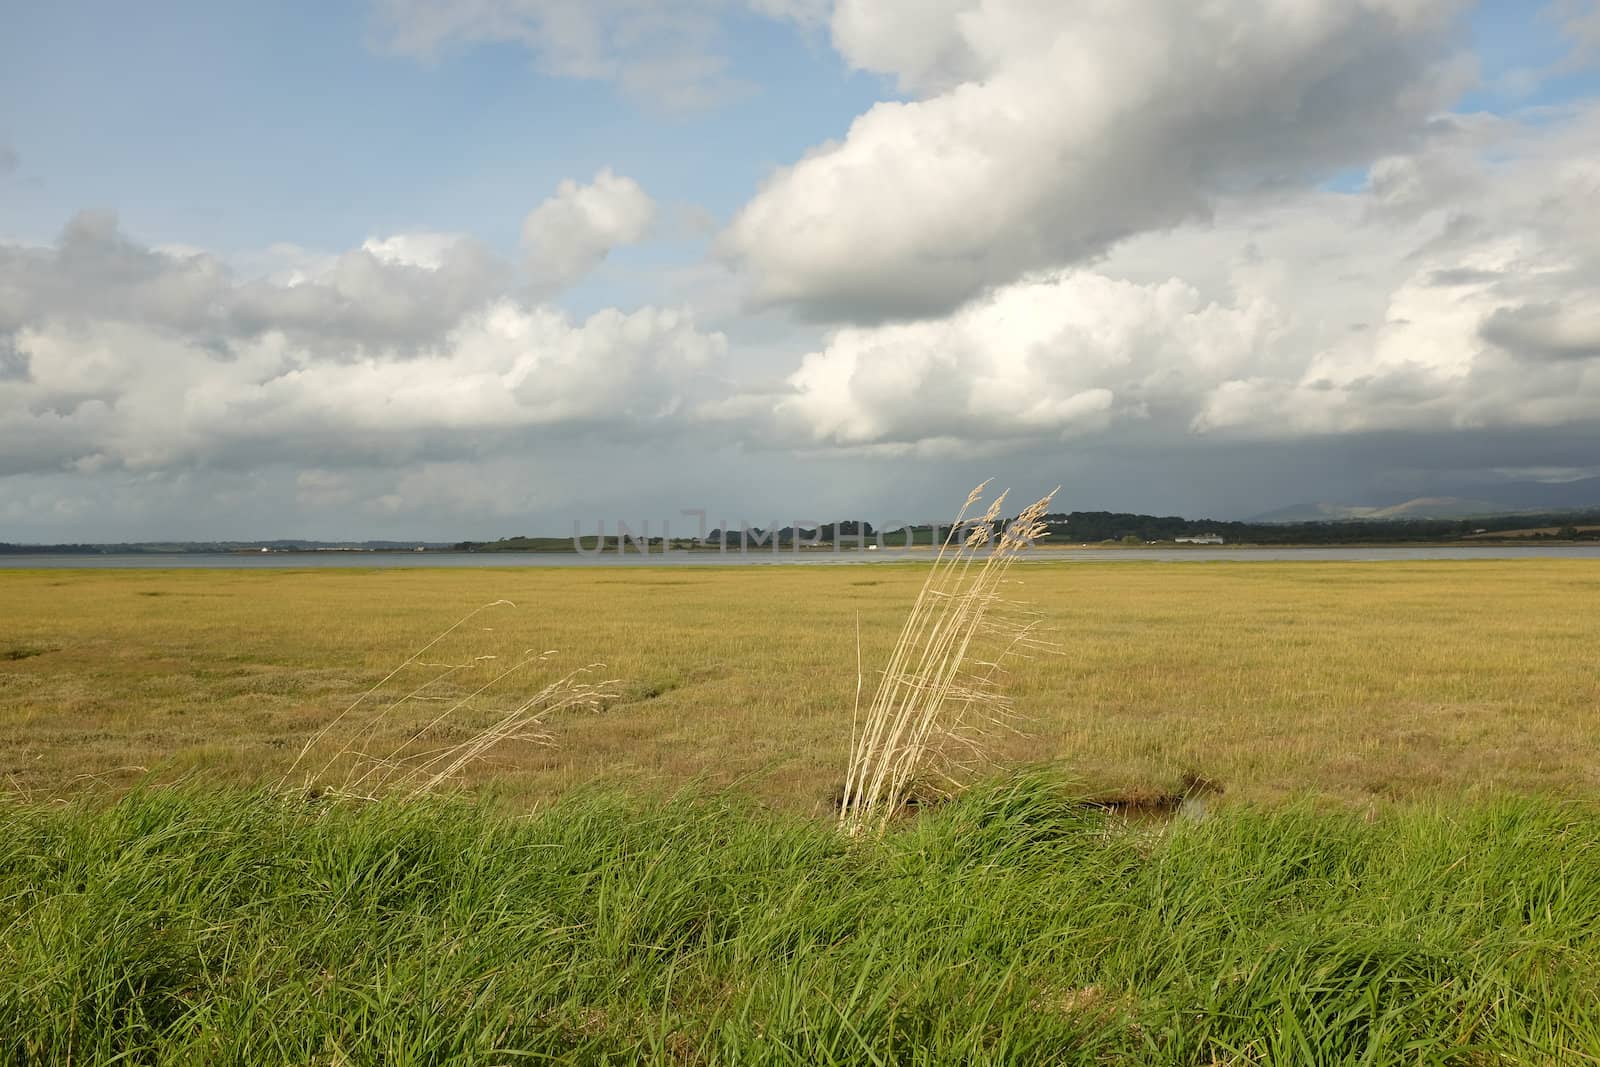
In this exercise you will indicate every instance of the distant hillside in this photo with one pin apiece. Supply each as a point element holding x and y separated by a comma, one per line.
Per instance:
<point>1426,507</point>
<point>1582,495</point>
<point>1091,527</point>
<point>1430,519</point>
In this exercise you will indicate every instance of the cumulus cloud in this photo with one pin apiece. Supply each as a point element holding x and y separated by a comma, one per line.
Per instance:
<point>115,355</point>
<point>367,299</point>
<point>1040,134</point>
<point>1035,359</point>
<point>1459,290</point>
<point>573,231</point>
<point>1484,297</point>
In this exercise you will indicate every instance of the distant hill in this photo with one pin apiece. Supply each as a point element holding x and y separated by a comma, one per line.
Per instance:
<point>1511,499</point>
<point>1518,511</point>
<point>1550,496</point>
<point>1424,507</point>
<point>1088,527</point>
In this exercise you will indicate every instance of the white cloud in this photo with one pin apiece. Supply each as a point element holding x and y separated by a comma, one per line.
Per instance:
<point>1056,357</point>
<point>1460,291</point>
<point>369,298</point>
<point>1045,132</point>
<point>1483,296</point>
<point>430,251</point>
<point>573,231</point>
<point>115,355</point>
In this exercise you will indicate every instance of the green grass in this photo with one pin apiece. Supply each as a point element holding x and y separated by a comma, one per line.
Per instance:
<point>202,925</point>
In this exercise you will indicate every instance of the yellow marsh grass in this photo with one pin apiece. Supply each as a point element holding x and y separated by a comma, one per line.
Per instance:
<point>431,704</point>
<point>1362,681</point>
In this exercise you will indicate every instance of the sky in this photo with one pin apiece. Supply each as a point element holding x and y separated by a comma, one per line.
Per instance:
<point>442,271</point>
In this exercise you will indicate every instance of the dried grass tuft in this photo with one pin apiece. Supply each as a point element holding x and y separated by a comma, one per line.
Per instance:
<point>940,697</point>
<point>465,686</point>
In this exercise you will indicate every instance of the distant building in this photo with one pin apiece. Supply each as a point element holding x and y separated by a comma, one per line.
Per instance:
<point>1200,539</point>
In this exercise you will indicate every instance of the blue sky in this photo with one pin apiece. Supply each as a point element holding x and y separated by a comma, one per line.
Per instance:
<point>1096,243</point>
<point>239,126</point>
<point>1510,37</point>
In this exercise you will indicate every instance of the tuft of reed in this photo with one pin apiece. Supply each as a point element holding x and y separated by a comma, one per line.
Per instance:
<point>938,699</point>
<point>419,763</point>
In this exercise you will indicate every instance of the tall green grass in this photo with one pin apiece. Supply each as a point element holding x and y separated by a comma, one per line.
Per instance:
<point>1010,926</point>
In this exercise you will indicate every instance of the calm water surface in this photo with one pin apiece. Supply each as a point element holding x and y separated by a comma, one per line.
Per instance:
<point>304,560</point>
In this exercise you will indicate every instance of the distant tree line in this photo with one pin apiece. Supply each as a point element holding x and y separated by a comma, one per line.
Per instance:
<point>827,533</point>
<point>167,548</point>
<point>1099,526</point>
<point>1076,527</point>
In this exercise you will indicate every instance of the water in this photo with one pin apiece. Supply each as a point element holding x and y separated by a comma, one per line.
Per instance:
<point>307,560</point>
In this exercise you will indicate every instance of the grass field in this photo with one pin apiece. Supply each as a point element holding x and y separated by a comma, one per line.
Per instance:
<point>1403,868</point>
<point>1361,683</point>
<point>207,927</point>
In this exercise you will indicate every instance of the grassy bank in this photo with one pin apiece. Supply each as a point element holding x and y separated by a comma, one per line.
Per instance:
<point>1365,683</point>
<point>1011,926</point>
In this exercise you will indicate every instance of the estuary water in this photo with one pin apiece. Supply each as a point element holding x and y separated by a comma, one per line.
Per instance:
<point>810,557</point>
